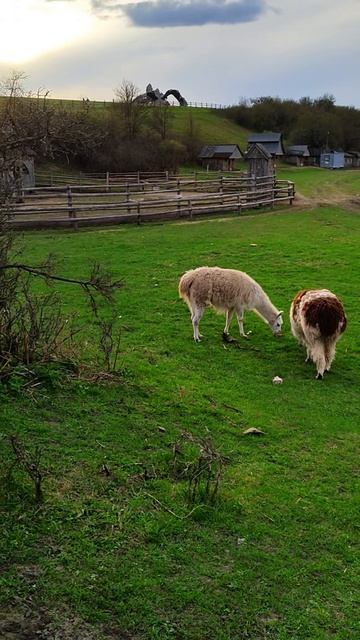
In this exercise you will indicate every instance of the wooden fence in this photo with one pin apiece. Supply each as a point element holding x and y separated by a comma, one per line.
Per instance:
<point>107,179</point>
<point>103,104</point>
<point>81,205</point>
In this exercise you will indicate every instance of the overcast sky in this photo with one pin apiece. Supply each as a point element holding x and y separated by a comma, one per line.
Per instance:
<point>211,50</point>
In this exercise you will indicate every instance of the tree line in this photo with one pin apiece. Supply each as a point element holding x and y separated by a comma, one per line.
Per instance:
<point>319,122</point>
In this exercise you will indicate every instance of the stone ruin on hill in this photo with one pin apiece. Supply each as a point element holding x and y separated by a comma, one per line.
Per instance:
<point>155,97</point>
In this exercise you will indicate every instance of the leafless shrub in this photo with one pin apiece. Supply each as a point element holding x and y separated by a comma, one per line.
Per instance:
<point>109,343</point>
<point>33,328</point>
<point>30,463</point>
<point>197,460</point>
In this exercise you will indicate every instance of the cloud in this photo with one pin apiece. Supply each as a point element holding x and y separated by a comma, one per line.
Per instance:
<point>182,13</point>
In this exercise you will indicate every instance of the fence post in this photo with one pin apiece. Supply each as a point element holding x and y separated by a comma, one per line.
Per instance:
<point>253,188</point>
<point>71,211</point>
<point>178,195</point>
<point>291,192</point>
<point>190,209</point>
<point>138,207</point>
<point>107,179</point>
<point>167,176</point>
<point>128,197</point>
<point>138,177</point>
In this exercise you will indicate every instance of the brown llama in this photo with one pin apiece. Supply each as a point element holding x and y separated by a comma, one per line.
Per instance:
<point>318,320</point>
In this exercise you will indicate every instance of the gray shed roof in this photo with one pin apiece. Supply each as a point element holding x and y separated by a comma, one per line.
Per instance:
<point>229,151</point>
<point>298,150</point>
<point>272,141</point>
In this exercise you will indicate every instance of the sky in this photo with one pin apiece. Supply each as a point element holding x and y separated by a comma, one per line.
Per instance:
<point>213,51</point>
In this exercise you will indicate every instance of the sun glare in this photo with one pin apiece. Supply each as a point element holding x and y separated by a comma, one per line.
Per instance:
<point>31,28</point>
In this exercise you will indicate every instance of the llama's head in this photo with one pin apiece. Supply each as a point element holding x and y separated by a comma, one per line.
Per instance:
<point>276,325</point>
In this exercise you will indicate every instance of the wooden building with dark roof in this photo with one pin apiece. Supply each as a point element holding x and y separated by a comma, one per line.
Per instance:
<point>355,162</point>
<point>259,161</point>
<point>271,141</point>
<point>220,157</point>
<point>299,155</point>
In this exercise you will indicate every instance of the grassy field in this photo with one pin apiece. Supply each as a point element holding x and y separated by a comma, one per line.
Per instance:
<point>124,555</point>
<point>322,183</point>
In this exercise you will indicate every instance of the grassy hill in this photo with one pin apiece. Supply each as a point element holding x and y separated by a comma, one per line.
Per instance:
<point>209,124</point>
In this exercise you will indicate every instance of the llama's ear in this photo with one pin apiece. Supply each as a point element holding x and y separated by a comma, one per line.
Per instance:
<point>280,314</point>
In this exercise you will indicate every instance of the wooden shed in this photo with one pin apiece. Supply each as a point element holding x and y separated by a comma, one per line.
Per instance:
<point>272,142</point>
<point>355,159</point>
<point>259,161</point>
<point>221,157</point>
<point>298,155</point>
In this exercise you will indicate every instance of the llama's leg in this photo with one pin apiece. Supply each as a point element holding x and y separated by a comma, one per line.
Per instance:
<point>299,336</point>
<point>240,319</point>
<point>318,357</point>
<point>195,318</point>
<point>229,316</point>
<point>330,355</point>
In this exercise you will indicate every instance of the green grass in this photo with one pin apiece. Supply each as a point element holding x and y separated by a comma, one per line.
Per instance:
<point>275,557</point>
<point>210,126</point>
<point>315,182</point>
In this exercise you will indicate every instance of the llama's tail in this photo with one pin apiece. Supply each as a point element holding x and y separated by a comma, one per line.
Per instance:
<point>185,285</point>
<point>328,314</point>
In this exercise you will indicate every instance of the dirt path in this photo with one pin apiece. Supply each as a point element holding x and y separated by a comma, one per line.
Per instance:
<point>346,201</point>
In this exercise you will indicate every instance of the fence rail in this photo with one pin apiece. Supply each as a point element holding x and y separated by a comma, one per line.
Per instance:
<point>76,205</point>
<point>103,104</point>
<point>46,179</point>
<point>106,178</point>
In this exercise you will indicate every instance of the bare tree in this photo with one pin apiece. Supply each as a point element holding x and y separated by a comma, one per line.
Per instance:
<point>133,114</point>
<point>50,131</point>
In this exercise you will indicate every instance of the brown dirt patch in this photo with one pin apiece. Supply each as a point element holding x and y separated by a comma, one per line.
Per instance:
<point>20,623</point>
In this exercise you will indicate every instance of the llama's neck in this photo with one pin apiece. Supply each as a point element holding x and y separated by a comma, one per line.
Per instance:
<point>266,309</point>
